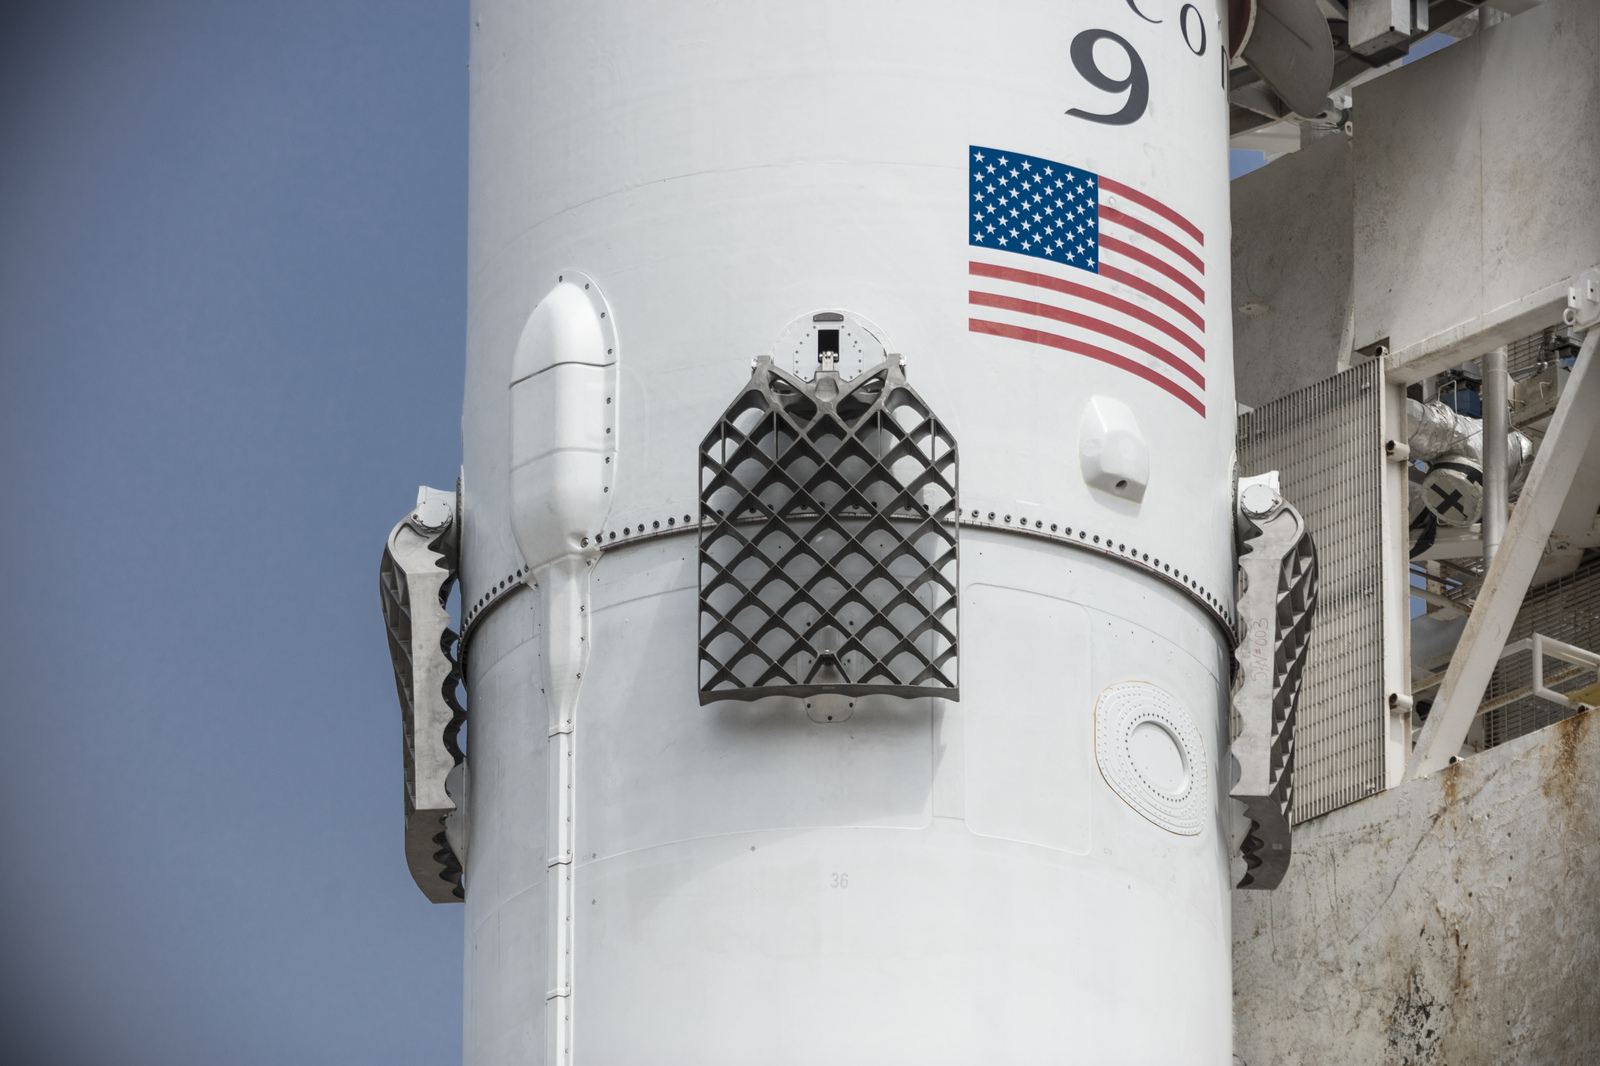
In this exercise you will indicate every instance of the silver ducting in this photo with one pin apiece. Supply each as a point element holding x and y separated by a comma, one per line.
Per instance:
<point>1452,446</point>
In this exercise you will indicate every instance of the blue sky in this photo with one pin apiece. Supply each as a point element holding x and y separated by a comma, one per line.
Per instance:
<point>232,276</point>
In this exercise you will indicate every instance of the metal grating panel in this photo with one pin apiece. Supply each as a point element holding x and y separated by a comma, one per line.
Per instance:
<point>1569,611</point>
<point>1326,442</point>
<point>828,540</point>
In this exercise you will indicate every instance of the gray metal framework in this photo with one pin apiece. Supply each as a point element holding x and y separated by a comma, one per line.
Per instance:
<point>828,540</point>
<point>1326,441</point>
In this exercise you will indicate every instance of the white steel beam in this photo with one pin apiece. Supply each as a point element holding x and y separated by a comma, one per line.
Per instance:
<point>1576,529</point>
<point>1394,512</point>
<point>1514,564</point>
<point>1502,325</point>
<point>1496,384</point>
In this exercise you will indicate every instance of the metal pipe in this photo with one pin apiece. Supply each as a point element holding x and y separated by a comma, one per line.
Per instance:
<point>1580,657</point>
<point>1496,384</point>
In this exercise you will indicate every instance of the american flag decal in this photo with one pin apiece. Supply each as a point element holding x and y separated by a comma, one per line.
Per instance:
<point>1115,275</point>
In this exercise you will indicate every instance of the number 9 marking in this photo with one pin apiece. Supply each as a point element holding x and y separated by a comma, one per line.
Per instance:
<point>1136,84</point>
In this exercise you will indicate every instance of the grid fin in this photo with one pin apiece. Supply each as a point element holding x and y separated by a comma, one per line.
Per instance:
<point>828,540</point>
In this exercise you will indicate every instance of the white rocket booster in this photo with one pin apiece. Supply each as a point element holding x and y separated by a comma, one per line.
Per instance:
<point>1011,843</point>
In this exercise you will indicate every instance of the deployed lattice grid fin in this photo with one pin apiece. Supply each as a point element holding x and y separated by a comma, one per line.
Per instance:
<point>1278,565</point>
<point>828,540</point>
<point>418,568</point>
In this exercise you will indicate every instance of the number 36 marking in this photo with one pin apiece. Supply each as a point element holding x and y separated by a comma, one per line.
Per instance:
<point>1137,82</point>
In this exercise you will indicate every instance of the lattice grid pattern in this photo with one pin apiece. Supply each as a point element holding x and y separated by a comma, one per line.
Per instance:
<point>828,540</point>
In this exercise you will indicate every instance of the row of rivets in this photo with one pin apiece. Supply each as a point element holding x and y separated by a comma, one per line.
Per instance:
<point>1022,525</point>
<point>1087,539</point>
<point>495,591</point>
<point>628,531</point>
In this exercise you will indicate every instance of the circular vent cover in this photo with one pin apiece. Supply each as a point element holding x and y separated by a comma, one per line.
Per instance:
<point>1151,754</point>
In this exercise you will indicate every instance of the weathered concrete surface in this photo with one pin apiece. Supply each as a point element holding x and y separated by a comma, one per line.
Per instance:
<point>1477,171</point>
<point>1454,920</point>
<point>1293,246</point>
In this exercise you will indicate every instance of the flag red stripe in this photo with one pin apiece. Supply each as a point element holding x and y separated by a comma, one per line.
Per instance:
<point>1154,234</point>
<point>1159,265</point>
<point>1155,205</point>
<point>1050,340</point>
<point>1084,292</point>
<point>1072,318</point>
<point>1155,291</point>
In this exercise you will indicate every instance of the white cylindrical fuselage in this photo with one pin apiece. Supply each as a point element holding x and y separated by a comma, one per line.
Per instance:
<point>1036,872</point>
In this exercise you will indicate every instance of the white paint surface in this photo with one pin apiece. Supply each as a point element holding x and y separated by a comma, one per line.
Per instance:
<point>926,881</point>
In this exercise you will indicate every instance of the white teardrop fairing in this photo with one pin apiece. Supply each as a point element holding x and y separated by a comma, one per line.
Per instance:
<point>565,327</point>
<point>563,421</point>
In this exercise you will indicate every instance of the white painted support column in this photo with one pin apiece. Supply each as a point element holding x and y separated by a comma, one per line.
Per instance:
<point>1397,590</point>
<point>1507,581</point>
<point>1496,492</point>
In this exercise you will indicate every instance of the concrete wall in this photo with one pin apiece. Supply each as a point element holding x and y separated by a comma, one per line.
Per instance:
<point>1292,252</point>
<point>1454,920</point>
<point>1478,175</point>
